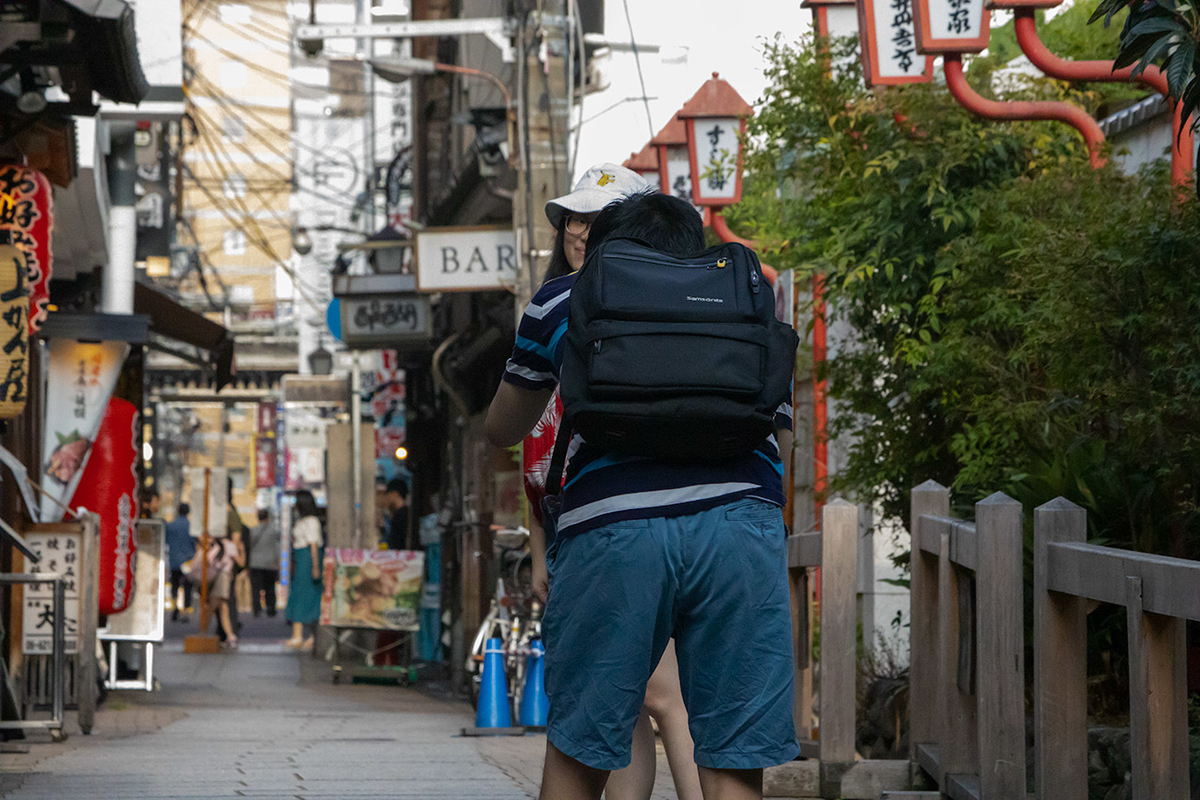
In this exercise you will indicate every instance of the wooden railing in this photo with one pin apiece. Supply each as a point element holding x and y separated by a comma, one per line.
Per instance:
<point>966,669</point>
<point>966,684</point>
<point>1158,593</point>
<point>832,768</point>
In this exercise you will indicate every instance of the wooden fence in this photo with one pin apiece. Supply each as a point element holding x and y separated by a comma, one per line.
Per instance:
<point>967,686</point>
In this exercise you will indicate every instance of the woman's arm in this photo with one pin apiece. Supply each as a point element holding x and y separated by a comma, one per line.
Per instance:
<point>537,550</point>
<point>316,568</point>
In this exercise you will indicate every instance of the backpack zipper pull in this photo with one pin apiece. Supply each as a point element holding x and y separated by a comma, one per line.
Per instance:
<point>754,280</point>
<point>596,345</point>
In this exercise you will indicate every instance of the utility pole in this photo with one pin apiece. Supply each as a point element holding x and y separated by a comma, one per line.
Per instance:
<point>543,115</point>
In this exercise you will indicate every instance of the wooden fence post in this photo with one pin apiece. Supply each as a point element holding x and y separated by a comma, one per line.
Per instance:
<point>839,618</point>
<point>1000,639</point>
<point>802,640</point>
<point>956,711</point>
<point>1059,662</point>
<point>933,499</point>
<point>1158,735</point>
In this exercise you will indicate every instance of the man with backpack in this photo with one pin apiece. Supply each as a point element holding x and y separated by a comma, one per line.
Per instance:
<point>675,380</point>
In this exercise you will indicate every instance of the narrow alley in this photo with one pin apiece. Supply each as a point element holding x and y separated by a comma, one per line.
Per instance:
<point>269,723</point>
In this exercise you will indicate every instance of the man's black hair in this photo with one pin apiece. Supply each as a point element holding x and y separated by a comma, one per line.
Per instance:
<point>264,514</point>
<point>664,222</point>
<point>184,509</point>
<point>398,486</point>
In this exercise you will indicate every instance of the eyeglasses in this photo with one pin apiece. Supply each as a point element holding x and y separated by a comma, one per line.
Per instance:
<point>577,224</point>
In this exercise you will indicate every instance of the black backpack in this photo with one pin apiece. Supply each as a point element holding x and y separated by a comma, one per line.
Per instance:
<point>674,358</point>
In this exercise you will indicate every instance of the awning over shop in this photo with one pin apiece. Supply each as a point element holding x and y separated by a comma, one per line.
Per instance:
<point>212,344</point>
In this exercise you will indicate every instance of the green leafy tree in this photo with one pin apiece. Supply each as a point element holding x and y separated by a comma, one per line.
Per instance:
<point>1003,334</point>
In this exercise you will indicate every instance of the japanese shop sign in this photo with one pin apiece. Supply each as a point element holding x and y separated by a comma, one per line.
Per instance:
<point>266,454</point>
<point>59,553</point>
<point>14,329</point>
<point>951,26</point>
<point>677,178</point>
<point>465,259</point>
<point>26,209</point>
<point>716,156</point>
<point>79,381</point>
<point>142,620</point>
<point>383,320</point>
<point>887,33</point>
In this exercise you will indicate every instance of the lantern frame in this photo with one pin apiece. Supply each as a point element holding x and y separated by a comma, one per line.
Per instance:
<point>868,39</point>
<point>928,43</point>
<point>716,100</point>
<point>645,162</point>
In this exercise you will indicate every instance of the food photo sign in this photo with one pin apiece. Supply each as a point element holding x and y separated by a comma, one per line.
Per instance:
<point>378,589</point>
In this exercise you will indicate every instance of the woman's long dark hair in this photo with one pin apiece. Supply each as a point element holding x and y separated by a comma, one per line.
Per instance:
<point>306,504</point>
<point>559,265</point>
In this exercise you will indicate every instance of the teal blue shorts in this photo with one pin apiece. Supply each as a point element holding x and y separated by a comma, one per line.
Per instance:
<point>717,582</point>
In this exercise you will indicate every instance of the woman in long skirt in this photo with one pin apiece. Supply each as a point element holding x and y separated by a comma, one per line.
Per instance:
<point>304,594</point>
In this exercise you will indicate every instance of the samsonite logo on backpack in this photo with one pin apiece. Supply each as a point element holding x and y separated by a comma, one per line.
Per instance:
<point>675,357</point>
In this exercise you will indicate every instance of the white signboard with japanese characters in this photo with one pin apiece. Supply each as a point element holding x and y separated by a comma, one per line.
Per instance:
<point>142,620</point>
<point>717,150</point>
<point>889,44</point>
<point>466,259</point>
<point>679,173</point>
<point>951,26</point>
<point>59,554</point>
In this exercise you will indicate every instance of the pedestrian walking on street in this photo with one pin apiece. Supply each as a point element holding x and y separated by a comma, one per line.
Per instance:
<point>304,591</point>
<point>223,555</point>
<point>572,217</point>
<point>264,563</point>
<point>181,547</point>
<point>645,546</point>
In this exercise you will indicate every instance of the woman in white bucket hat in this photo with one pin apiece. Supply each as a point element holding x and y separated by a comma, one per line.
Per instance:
<point>572,216</point>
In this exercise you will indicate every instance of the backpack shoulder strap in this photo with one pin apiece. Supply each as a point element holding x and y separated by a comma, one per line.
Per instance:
<point>558,459</point>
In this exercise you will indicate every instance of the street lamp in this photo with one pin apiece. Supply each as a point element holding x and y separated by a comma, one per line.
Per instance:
<point>645,163</point>
<point>302,243</point>
<point>674,174</point>
<point>320,361</point>
<point>715,126</point>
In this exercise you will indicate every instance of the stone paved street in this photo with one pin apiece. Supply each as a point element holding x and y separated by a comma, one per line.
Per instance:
<point>268,724</point>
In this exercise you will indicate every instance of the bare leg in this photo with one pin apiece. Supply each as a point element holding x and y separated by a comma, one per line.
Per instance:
<point>297,635</point>
<point>636,782</point>
<point>564,778</point>
<point>664,701</point>
<point>226,625</point>
<point>731,784</point>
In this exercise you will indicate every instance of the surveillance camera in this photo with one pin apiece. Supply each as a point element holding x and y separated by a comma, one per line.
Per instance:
<point>312,47</point>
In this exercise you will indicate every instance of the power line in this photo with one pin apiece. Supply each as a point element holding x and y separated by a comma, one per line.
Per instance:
<point>637,57</point>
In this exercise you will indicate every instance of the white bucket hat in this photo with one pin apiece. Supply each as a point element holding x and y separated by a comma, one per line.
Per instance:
<point>598,187</point>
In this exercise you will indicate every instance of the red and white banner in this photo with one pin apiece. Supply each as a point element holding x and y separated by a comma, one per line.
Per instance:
<point>27,209</point>
<point>79,381</point>
<point>109,488</point>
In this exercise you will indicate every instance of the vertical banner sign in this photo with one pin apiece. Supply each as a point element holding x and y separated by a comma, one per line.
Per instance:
<point>109,488</point>
<point>951,26</point>
<point>266,418</point>
<point>887,34</point>
<point>79,381</point>
<point>387,407</point>
<point>58,554</point>
<point>264,461</point>
<point>27,211</point>
<point>14,329</point>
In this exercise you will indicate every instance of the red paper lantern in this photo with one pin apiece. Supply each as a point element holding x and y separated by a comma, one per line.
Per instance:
<point>27,210</point>
<point>109,488</point>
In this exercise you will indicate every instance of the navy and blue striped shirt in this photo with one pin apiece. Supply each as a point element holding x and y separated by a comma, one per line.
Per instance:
<point>603,487</point>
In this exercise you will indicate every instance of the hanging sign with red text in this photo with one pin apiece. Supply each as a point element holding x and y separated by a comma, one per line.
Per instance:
<point>27,210</point>
<point>887,34</point>
<point>951,26</point>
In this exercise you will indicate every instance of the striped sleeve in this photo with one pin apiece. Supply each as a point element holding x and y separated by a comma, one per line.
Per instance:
<point>534,361</point>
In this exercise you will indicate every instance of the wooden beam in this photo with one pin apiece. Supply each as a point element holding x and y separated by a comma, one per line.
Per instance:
<point>804,550</point>
<point>1170,586</point>
<point>1000,656</point>
<point>963,545</point>
<point>839,628</point>
<point>928,500</point>
<point>958,725</point>
<point>802,643</point>
<point>1059,662</point>
<point>859,780</point>
<point>1158,733</point>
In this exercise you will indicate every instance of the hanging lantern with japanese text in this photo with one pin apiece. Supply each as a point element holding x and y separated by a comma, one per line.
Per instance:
<point>952,26</point>
<point>887,34</point>
<point>715,124</point>
<point>27,212</point>
<point>645,163</point>
<point>674,168</point>
<point>14,328</point>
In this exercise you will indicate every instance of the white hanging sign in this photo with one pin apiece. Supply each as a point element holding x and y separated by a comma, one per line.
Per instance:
<point>951,26</point>
<point>887,33</point>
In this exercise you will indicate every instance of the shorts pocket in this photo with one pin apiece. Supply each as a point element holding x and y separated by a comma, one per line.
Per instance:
<point>751,510</point>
